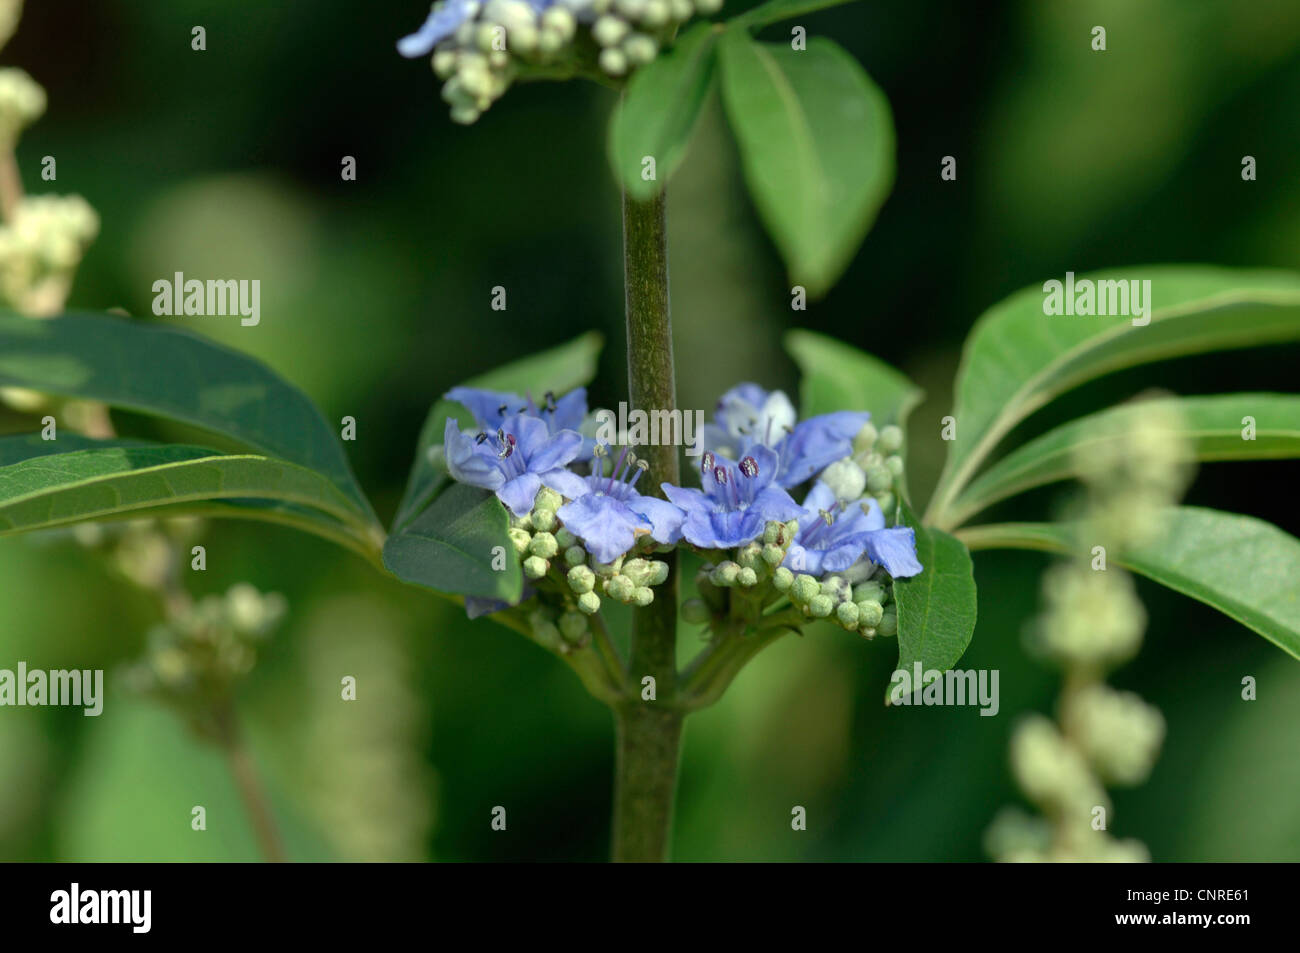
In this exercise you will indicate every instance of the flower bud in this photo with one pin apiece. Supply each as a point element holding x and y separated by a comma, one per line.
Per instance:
<point>609,31</point>
<point>891,439</point>
<point>642,596</point>
<point>640,49</point>
<point>589,603</point>
<point>543,545</point>
<point>870,591</point>
<point>894,464</point>
<point>870,613</point>
<point>879,479</point>
<point>581,579</point>
<point>866,438</point>
<point>747,577</point>
<point>544,519</point>
<point>782,579</point>
<point>845,479</point>
<point>620,587</point>
<point>535,567</point>
<point>520,538</point>
<point>888,621</point>
<point>773,555</point>
<point>613,61</point>
<point>575,556</point>
<point>821,606</point>
<point>564,539</point>
<point>725,574</point>
<point>573,626</point>
<point>805,588</point>
<point>846,613</point>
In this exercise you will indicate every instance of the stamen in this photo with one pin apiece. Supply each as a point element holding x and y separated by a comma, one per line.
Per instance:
<point>641,467</point>
<point>708,462</point>
<point>720,476</point>
<point>749,467</point>
<point>501,411</point>
<point>550,401</point>
<point>828,517</point>
<point>480,438</point>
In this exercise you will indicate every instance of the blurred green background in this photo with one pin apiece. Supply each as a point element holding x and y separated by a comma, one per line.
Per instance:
<point>375,299</point>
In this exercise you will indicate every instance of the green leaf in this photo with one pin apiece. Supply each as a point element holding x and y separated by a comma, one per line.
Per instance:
<point>1242,566</point>
<point>836,376</point>
<point>776,10</point>
<point>1018,359</point>
<point>169,372</point>
<point>113,480</point>
<point>936,608</point>
<point>1212,427</point>
<point>450,547</point>
<point>659,109</point>
<point>559,369</point>
<point>817,146</point>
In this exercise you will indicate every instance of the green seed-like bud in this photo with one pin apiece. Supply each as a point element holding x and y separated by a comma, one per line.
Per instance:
<point>656,13</point>
<point>642,596</point>
<point>869,591</point>
<point>575,556</point>
<point>613,61</point>
<point>640,49</point>
<point>747,577</point>
<point>879,479</point>
<point>632,9</point>
<point>870,612</point>
<point>773,554</point>
<point>535,567</point>
<point>520,522</point>
<point>773,532</point>
<point>845,479</point>
<point>543,519</point>
<point>564,539</point>
<point>608,569</point>
<point>589,603</point>
<point>707,8</point>
<point>485,35</point>
<point>867,632</point>
<point>620,587</point>
<point>782,579</point>
<point>560,20</point>
<point>749,555</point>
<point>894,464</point>
<point>609,30</point>
<point>521,539</point>
<point>549,41</point>
<point>681,10</point>
<point>544,630</point>
<point>805,588</point>
<point>866,438</point>
<point>638,570</point>
<point>725,574</point>
<point>847,615</point>
<point>658,573</point>
<point>695,611</point>
<point>547,499</point>
<point>821,606</point>
<point>837,587</point>
<point>543,545</point>
<point>573,626</point>
<point>888,621</point>
<point>444,64</point>
<point>891,439</point>
<point>791,530</point>
<point>581,579</point>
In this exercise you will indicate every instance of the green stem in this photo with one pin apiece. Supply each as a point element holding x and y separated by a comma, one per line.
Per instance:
<point>648,732</point>
<point>249,784</point>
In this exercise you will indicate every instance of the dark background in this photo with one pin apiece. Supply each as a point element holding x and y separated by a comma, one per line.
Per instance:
<point>375,299</point>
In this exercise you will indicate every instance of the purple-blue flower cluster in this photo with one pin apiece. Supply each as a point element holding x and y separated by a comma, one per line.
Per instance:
<point>578,515</point>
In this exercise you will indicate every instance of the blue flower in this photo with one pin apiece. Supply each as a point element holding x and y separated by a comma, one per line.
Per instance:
<point>748,416</point>
<point>834,536</point>
<point>610,516</point>
<point>516,461</point>
<point>490,407</point>
<point>443,20</point>
<point>737,502</point>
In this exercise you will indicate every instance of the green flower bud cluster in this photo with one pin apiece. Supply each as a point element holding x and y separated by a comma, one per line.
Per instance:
<point>22,102</point>
<point>1092,618</point>
<point>40,247</point>
<point>570,583</point>
<point>857,608</point>
<point>509,39</point>
<point>195,658</point>
<point>874,469</point>
<point>1118,732</point>
<point>1018,837</point>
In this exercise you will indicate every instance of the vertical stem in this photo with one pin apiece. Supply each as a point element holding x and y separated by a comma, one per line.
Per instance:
<point>250,787</point>
<point>649,732</point>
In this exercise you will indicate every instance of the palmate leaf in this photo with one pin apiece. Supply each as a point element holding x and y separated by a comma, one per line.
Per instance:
<point>658,112</point>
<point>1246,568</point>
<point>816,144</point>
<point>937,608</point>
<point>1213,427</point>
<point>169,372</point>
<point>453,538</point>
<point>1017,359</point>
<point>94,480</point>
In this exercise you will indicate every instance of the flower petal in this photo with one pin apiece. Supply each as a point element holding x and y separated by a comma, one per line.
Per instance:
<point>606,527</point>
<point>442,23</point>
<point>895,549</point>
<point>467,462</point>
<point>518,494</point>
<point>566,483</point>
